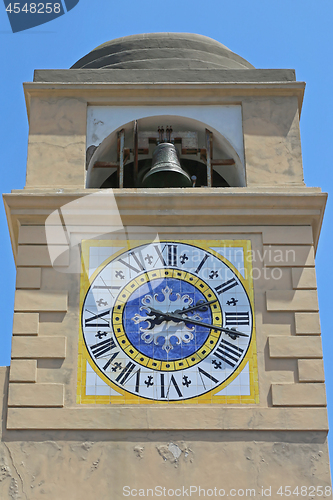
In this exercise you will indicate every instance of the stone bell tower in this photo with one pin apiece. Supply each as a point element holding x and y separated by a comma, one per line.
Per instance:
<point>166,336</point>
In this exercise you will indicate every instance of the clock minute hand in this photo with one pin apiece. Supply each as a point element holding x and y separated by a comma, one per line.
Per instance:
<point>213,327</point>
<point>197,306</point>
<point>178,318</point>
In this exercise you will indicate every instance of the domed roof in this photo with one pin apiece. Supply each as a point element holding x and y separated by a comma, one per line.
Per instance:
<point>162,51</point>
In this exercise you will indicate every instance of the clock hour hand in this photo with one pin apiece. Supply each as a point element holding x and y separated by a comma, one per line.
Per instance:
<point>161,316</point>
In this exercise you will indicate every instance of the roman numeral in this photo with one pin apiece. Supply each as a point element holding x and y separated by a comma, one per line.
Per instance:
<point>228,352</point>
<point>127,264</point>
<point>160,256</point>
<point>162,386</point>
<point>88,321</point>
<point>125,373</point>
<point>237,318</point>
<point>139,263</point>
<point>137,381</point>
<point>101,348</point>
<point>108,363</point>
<point>174,383</point>
<point>226,286</point>
<point>208,375</point>
<point>201,263</point>
<point>172,255</point>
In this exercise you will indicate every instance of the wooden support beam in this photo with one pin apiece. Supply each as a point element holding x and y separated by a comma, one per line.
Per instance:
<point>106,164</point>
<point>227,161</point>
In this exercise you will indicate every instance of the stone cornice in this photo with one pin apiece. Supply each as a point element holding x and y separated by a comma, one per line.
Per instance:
<point>177,207</point>
<point>124,93</point>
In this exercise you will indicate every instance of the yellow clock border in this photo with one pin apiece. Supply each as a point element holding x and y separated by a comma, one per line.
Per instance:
<point>127,398</point>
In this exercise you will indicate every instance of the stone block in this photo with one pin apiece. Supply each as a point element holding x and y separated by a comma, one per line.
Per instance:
<point>288,255</point>
<point>40,300</point>
<point>304,278</point>
<point>32,235</point>
<point>41,395</point>
<point>23,370</point>
<point>284,235</point>
<point>292,300</point>
<point>25,323</point>
<point>298,395</point>
<point>311,370</point>
<point>57,142</point>
<point>28,277</point>
<point>167,419</point>
<point>307,323</point>
<point>295,347</point>
<point>39,347</point>
<point>272,142</point>
<point>38,255</point>
<point>56,160</point>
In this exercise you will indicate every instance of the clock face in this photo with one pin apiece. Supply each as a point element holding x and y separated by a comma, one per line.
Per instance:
<point>167,322</point>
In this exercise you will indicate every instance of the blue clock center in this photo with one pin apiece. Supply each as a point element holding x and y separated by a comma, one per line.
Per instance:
<point>160,334</point>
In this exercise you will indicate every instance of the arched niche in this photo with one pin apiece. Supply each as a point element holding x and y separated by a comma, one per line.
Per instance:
<point>227,166</point>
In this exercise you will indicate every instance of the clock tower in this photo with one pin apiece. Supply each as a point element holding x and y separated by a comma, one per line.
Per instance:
<point>166,335</point>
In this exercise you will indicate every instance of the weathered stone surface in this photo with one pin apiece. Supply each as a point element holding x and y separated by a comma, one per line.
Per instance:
<point>272,141</point>
<point>304,278</point>
<point>40,300</point>
<point>39,255</point>
<point>292,300</point>
<point>298,394</point>
<point>163,75</point>
<point>25,323</point>
<point>311,370</point>
<point>32,235</point>
<point>46,469</point>
<point>56,151</point>
<point>36,395</point>
<point>165,418</point>
<point>287,235</point>
<point>288,255</point>
<point>307,323</point>
<point>295,347</point>
<point>39,347</point>
<point>28,277</point>
<point>23,370</point>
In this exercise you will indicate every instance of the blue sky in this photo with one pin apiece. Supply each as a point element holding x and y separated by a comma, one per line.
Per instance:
<point>281,34</point>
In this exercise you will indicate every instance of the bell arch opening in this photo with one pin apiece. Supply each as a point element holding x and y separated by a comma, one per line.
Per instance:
<point>132,157</point>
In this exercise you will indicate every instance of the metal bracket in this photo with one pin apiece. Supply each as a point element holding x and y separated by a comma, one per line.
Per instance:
<point>209,155</point>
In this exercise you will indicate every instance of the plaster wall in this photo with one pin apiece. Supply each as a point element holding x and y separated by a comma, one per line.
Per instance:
<point>57,143</point>
<point>264,133</point>
<point>272,142</point>
<point>84,466</point>
<point>48,439</point>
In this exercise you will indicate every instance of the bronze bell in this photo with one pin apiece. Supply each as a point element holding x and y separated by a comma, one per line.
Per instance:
<point>166,170</point>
